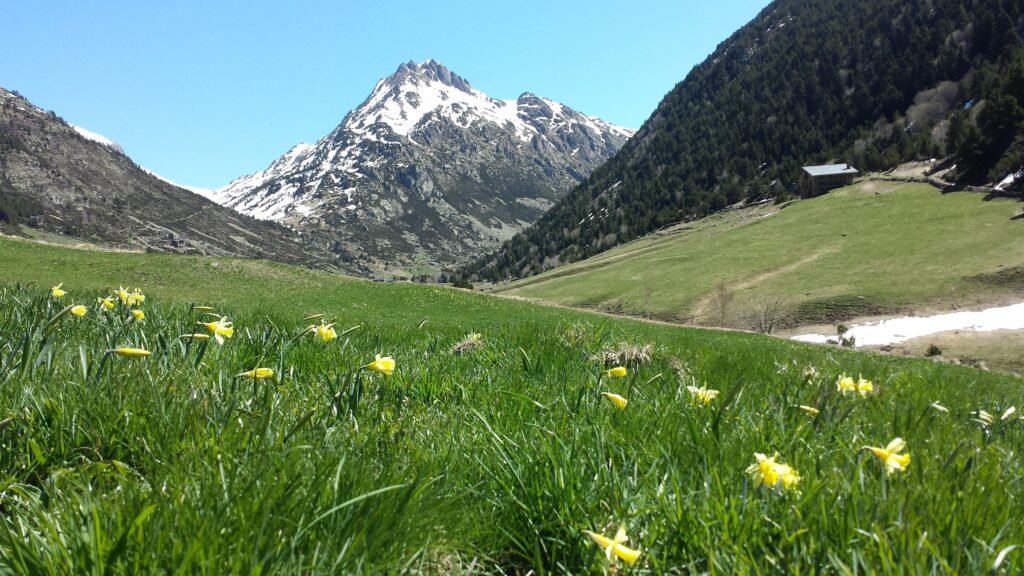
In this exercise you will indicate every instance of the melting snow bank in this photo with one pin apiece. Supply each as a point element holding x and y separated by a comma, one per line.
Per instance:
<point>898,330</point>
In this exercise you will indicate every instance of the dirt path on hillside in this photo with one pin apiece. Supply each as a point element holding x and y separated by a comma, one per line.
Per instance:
<point>700,309</point>
<point>549,304</point>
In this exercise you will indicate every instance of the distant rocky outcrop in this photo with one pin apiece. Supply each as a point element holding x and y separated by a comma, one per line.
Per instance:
<point>65,179</point>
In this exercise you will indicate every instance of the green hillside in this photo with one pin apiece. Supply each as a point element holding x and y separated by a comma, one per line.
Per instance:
<point>874,83</point>
<point>493,456</point>
<point>870,248</point>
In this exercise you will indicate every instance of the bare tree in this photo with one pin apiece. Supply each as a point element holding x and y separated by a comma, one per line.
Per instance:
<point>767,314</point>
<point>721,302</point>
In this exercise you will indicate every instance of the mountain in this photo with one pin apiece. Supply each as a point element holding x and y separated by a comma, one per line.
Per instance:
<point>66,179</point>
<point>869,82</point>
<point>428,171</point>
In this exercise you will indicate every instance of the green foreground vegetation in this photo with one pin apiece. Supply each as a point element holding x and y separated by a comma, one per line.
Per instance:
<point>874,247</point>
<point>492,460</point>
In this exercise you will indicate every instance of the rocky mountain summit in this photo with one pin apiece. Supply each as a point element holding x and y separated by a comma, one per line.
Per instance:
<point>64,179</point>
<point>428,171</point>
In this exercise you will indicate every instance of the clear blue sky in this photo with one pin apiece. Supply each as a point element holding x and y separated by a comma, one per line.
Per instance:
<point>204,91</point>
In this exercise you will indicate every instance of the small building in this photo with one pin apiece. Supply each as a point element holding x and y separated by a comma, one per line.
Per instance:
<point>816,180</point>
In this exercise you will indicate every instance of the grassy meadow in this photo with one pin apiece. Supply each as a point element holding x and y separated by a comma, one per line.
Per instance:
<point>488,455</point>
<point>874,247</point>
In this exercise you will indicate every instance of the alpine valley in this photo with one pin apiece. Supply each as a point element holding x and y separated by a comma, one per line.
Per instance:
<point>428,172</point>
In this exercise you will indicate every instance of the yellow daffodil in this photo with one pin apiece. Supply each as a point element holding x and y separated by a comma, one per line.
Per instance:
<point>79,310</point>
<point>107,302</point>
<point>702,396</point>
<point>984,418</point>
<point>617,372</point>
<point>257,373</point>
<point>616,399</point>
<point>384,365</point>
<point>809,410</point>
<point>139,315</point>
<point>766,471</point>
<point>847,385</point>
<point>220,328</point>
<point>56,291</point>
<point>325,332</point>
<point>1006,415</point>
<point>615,547</point>
<point>136,297</point>
<point>122,295</point>
<point>890,455</point>
<point>130,352</point>
<point>196,336</point>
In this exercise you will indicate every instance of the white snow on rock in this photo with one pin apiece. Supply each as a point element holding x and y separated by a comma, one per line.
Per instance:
<point>90,135</point>
<point>204,192</point>
<point>897,330</point>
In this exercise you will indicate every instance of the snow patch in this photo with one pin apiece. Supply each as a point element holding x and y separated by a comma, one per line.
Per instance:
<point>204,192</point>
<point>98,138</point>
<point>898,330</point>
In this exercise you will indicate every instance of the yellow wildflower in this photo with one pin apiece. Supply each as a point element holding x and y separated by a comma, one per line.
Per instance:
<point>257,373</point>
<point>614,547</point>
<point>384,365</point>
<point>79,310</point>
<point>221,328</point>
<point>984,418</point>
<point>136,297</point>
<point>56,291</point>
<point>617,372</point>
<point>324,331</point>
<point>123,295</point>
<point>890,455</point>
<point>846,385</point>
<point>130,352</point>
<point>138,315</point>
<point>809,410</point>
<point>616,399</point>
<point>766,471</point>
<point>702,396</point>
<point>107,302</point>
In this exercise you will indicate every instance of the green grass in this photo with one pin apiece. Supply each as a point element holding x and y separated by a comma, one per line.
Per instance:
<point>488,462</point>
<point>886,246</point>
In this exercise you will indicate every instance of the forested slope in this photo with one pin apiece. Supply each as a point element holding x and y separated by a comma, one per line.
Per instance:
<point>870,82</point>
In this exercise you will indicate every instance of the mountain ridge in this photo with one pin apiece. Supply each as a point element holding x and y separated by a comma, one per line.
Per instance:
<point>62,178</point>
<point>427,171</point>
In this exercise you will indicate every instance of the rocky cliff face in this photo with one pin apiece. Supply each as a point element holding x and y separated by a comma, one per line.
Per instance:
<point>65,179</point>
<point>428,171</point>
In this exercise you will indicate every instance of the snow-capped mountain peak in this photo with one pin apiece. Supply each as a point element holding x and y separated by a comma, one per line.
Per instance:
<point>482,167</point>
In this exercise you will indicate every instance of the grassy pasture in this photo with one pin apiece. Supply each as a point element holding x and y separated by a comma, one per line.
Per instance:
<point>874,247</point>
<point>490,461</point>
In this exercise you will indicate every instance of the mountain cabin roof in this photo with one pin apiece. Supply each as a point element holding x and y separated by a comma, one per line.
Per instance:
<point>830,170</point>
